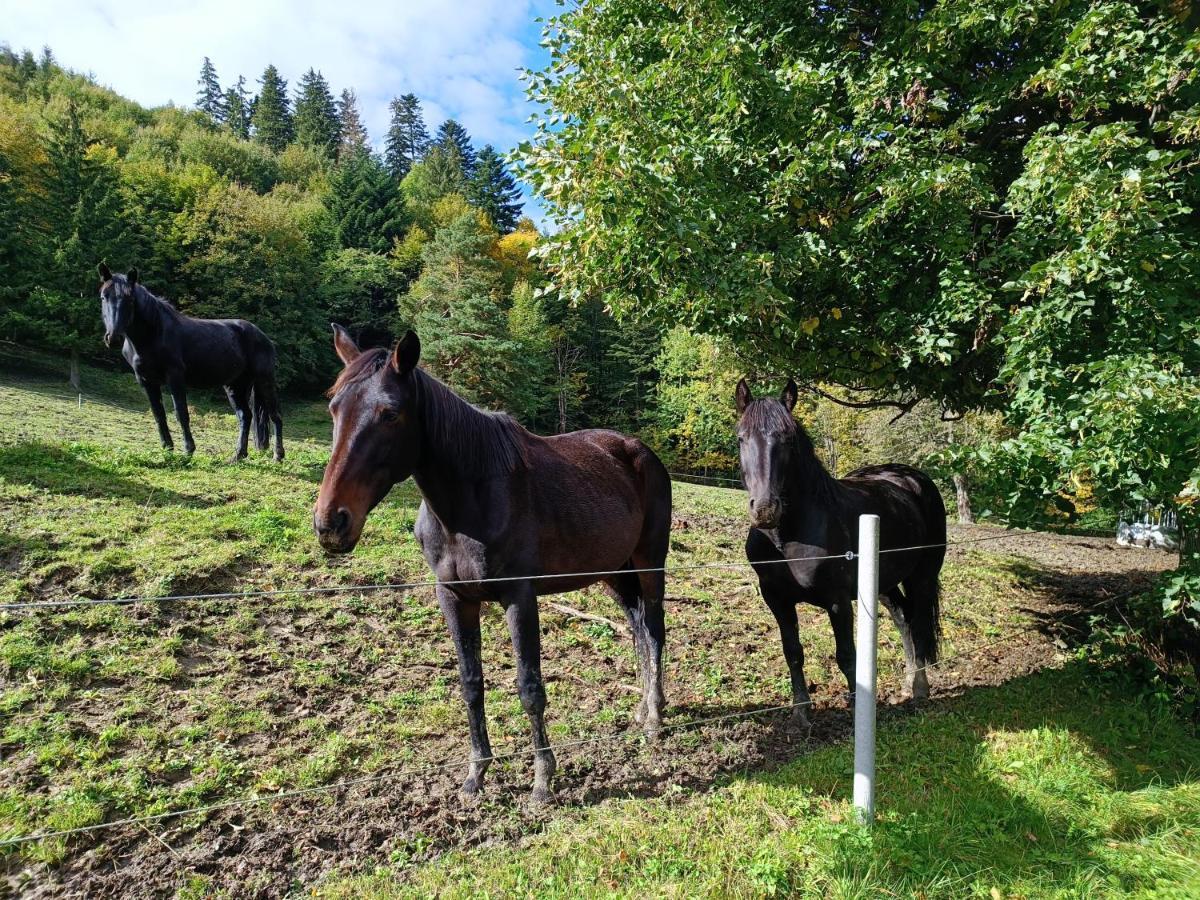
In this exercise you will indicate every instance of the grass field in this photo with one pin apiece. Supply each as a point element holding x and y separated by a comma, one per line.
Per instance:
<point>1032,772</point>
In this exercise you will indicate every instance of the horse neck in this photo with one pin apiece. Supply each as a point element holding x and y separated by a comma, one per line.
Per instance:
<point>809,484</point>
<point>146,324</point>
<point>461,446</point>
<point>149,313</point>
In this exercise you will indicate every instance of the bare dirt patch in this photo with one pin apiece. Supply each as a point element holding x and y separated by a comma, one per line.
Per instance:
<point>379,678</point>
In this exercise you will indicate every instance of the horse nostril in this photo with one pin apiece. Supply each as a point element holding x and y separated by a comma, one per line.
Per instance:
<point>341,519</point>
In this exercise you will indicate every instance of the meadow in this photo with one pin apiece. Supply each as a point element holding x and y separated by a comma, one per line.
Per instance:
<point>1035,770</point>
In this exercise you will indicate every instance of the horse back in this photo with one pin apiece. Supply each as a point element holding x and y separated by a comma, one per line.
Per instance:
<point>597,497</point>
<point>908,502</point>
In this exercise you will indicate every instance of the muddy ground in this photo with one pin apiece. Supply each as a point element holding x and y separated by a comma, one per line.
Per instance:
<point>1045,589</point>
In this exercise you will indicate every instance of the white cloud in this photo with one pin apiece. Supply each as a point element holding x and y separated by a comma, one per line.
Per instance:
<point>460,58</point>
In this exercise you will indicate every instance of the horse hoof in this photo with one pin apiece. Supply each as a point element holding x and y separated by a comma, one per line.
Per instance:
<point>799,724</point>
<point>279,456</point>
<point>541,797</point>
<point>470,789</point>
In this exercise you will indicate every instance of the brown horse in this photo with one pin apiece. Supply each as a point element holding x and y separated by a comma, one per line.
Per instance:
<point>499,503</point>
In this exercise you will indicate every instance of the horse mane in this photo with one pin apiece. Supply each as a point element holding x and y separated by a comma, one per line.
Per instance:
<point>479,441</point>
<point>769,414</point>
<point>147,300</point>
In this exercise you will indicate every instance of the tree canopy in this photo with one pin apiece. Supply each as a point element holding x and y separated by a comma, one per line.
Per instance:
<point>986,203</point>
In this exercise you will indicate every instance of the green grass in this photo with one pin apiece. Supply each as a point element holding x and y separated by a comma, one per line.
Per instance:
<point>1053,785</point>
<point>108,712</point>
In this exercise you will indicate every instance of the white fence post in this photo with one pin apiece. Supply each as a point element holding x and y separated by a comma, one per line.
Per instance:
<point>864,668</point>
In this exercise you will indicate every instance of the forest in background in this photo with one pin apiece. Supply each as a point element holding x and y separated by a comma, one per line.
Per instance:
<point>279,208</point>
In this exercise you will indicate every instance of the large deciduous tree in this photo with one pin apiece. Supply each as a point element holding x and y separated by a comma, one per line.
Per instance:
<point>986,203</point>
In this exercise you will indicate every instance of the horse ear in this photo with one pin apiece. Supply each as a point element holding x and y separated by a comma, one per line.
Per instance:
<point>407,353</point>
<point>344,345</point>
<point>790,394</point>
<point>742,396</point>
<point>133,277</point>
<point>105,272</point>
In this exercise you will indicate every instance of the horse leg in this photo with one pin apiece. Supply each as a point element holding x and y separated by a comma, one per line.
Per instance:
<point>783,608</point>
<point>462,619</point>
<point>179,395</point>
<point>522,614</point>
<point>154,395</point>
<point>922,611</point>
<point>624,588</point>
<point>841,617</point>
<point>653,616</point>
<point>267,401</point>
<point>239,399</point>
<point>895,601</point>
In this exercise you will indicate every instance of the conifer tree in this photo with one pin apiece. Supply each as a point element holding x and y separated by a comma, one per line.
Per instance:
<point>407,138</point>
<point>238,107</point>
<point>366,204</point>
<point>457,307</point>
<point>493,189</point>
<point>272,116</point>
<point>350,125</point>
<point>316,119</point>
<point>210,99</point>
<point>451,134</point>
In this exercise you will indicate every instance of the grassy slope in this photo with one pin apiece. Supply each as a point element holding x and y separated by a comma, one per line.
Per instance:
<point>109,712</point>
<point>1048,786</point>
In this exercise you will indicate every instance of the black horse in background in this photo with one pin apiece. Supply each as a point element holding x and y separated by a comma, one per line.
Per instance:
<point>798,510</point>
<point>163,346</point>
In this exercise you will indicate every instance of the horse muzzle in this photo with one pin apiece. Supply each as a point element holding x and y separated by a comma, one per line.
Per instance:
<point>109,339</point>
<point>765,513</point>
<point>335,530</point>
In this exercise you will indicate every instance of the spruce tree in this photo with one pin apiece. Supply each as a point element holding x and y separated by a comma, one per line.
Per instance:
<point>407,138</point>
<point>316,119</point>
<point>238,107</point>
<point>366,203</point>
<point>272,117</point>
<point>353,133</point>
<point>209,98</point>
<point>458,308</point>
<point>451,134</point>
<point>493,189</point>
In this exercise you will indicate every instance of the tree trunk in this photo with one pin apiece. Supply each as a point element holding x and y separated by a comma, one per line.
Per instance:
<point>965,516</point>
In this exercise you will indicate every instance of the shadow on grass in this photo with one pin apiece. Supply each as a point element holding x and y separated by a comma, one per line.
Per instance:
<point>1044,813</point>
<point>65,470</point>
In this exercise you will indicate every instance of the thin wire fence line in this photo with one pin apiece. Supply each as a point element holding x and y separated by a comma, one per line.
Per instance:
<point>848,556</point>
<point>391,776</point>
<point>509,755</point>
<point>412,773</point>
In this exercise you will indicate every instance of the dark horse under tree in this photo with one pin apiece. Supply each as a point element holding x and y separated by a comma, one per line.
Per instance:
<point>499,503</point>
<point>163,346</point>
<point>798,510</point>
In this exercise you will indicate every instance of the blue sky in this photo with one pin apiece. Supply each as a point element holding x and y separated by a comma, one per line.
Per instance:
<point>461,59</point>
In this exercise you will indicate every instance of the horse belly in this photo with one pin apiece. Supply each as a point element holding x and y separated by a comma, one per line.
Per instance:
<point>600,539</point>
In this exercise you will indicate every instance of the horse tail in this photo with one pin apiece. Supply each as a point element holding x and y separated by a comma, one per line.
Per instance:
<point>262,418</point>
<point>922,601</point>
<point>264,396</point>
